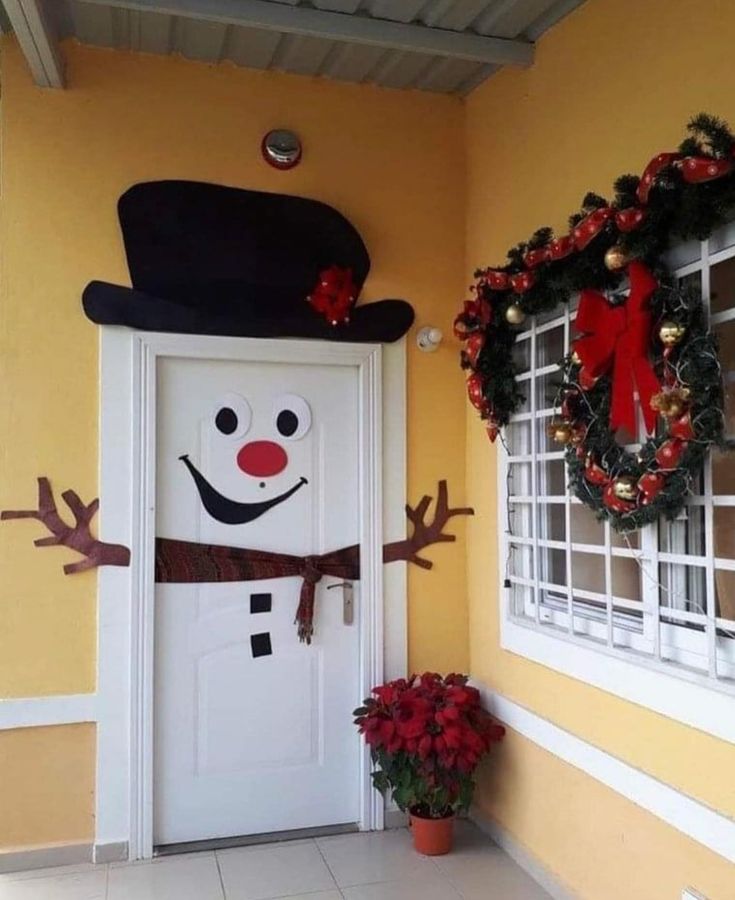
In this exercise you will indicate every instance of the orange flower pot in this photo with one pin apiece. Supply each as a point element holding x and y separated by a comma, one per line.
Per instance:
<point>432,837</point>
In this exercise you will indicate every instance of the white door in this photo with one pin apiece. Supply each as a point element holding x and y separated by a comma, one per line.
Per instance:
<point>252,729</point>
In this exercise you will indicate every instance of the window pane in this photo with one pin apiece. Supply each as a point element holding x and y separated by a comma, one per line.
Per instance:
<point>550,347</point>
<point>519,479</point>
<point>586,527</point>
<point>725,332</point>
<point>518,438</point>
<point>722,238</point>
<point>521,561</point>
<point>685,534</point>
<point>723,473</point>
<point>522,355</point>
<point>626,578</point>
<point>553,566</point>
<point>552,478</point>
<point>722,286</point>
<point>682,587</point>
<point>588,572</point>
<point>546,443</point>
<point>683,254</point>
<point>552,522</point>
<point>725,593</point>
<point>521,600</point>
<point>724,531</point>
<point>629,541</point>
<point>519,515</point>
<point>547,390</point>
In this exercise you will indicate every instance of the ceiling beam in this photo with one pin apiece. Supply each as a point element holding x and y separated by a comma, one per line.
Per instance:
<point>335,26</point>
<point>35,35</point>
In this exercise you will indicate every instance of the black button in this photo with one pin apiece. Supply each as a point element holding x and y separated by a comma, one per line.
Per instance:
<point>261,644</point>
<point>260,603</point>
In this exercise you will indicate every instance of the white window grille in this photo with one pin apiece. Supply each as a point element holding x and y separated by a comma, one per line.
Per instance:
<point>664,596</point>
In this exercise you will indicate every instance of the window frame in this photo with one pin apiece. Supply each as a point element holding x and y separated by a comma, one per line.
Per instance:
<point>692,697</point>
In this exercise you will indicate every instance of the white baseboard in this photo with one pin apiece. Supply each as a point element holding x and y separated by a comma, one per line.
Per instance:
<point>696,820</point>
<point>536,869</point>
<point>394,818</point>
<point>45,857</point>
<point>113,852</point>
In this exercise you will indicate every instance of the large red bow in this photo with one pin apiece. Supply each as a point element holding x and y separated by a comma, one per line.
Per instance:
<point>619,336</point>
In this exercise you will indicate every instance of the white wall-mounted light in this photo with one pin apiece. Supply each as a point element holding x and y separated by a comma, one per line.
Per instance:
<point>428,338</point>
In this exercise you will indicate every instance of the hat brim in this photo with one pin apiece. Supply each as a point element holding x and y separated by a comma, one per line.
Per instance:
<point>384,321</point>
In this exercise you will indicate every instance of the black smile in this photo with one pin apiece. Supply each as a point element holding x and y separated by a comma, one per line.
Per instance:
<point>232,512</point>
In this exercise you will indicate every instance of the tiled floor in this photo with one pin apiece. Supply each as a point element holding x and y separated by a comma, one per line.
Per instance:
<point>381,866</point>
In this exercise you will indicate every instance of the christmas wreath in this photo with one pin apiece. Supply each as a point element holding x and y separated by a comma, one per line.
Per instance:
<point>639,333</point>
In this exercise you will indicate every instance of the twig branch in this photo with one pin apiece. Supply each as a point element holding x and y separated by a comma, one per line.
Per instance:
<point>78,537</point>
<point>425,534</point>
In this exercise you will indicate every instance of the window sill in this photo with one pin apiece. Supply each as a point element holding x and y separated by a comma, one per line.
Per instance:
<point>685,697</point>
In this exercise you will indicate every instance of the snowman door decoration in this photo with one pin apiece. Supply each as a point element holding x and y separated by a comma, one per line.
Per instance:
<point>214,260</point>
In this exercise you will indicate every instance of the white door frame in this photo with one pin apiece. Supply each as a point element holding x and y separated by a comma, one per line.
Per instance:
<point>128,367</point>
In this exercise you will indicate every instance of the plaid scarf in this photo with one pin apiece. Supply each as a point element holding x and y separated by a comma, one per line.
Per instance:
<point>191,562</point>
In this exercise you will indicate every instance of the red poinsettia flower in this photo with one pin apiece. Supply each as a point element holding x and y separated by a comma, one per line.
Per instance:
<point>427,734</point>
<point>411,715</point>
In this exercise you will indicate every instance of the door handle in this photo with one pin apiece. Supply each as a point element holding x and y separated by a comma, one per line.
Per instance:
<point>348,600</point>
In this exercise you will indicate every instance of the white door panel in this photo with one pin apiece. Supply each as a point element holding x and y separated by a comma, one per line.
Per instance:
<point>252,730</point>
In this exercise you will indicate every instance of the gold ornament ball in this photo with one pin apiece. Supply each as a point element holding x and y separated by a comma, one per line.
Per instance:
<point>674,409</point>
<point>560,432</point>
<point>625,487</point>
<point>514,315</point>
<point>616,258</point>
<point>670,333</point>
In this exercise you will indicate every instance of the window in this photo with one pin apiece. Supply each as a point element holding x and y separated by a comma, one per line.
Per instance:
<point>663,597</point>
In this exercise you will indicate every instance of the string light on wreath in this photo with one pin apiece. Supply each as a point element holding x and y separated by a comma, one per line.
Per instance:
<point>653,344</point>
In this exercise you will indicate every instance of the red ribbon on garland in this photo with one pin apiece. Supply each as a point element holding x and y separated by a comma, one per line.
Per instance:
<point>619,337</point>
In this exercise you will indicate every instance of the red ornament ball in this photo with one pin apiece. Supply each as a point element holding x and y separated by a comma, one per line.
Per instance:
<point>475,392</point>
<point>473,347</point>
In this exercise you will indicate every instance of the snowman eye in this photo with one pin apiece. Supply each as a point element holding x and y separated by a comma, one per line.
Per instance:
<point>232,416</point>
<point>292,416</point>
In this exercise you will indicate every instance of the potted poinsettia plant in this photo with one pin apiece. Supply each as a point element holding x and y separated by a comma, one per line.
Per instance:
<point>426,736</point>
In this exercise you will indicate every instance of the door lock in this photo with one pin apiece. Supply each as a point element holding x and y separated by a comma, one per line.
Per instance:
<point>348,600</point>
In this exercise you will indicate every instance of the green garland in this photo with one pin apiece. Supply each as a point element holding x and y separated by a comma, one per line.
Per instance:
<point>680,197</point>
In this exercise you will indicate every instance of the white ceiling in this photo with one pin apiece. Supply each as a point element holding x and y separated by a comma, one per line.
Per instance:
<point>449,46</point>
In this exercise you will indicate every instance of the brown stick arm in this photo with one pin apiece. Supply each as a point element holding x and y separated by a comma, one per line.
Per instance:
<point>78,537</point>
<point>425,534</point>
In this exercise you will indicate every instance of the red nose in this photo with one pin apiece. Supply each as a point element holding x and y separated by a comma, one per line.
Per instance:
<point>262,459</point>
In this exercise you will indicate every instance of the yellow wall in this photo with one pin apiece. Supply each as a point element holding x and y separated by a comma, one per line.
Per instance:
<point>613,84</point>
<point>47,786</point>
<point>390,161</point>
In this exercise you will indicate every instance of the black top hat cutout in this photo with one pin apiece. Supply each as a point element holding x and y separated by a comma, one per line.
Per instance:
<point>209,259</point>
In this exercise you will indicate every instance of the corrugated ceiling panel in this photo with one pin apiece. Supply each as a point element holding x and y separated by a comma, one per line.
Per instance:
<point>154,33</point>
<point>402,70</point>
<point>402,11</point>
<point>204,41</point>
<point>251,47</point>
<point>345,6</point>
<point>513,19</point>
<point>354,62</point>
<point>482,74</point>
<point>302,55</point>
<point>460,14</point>
<point>94,24</point>
<point>261,48</point>
<point>447,75</point>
